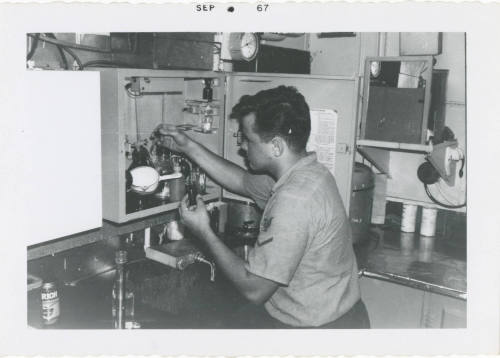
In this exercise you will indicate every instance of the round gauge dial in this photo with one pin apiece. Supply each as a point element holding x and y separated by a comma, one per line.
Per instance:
<point>249,45</point>
<point>375,68</point>
<point>243,46</point>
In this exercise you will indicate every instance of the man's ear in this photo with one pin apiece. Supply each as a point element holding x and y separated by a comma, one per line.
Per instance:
<point>278,146</point>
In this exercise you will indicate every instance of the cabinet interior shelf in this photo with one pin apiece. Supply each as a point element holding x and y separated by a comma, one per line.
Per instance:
<point>169,206</point>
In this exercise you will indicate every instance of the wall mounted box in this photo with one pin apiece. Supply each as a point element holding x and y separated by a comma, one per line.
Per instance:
<point>402,102</point>
<point>167,97</point>
<point>420,43</point>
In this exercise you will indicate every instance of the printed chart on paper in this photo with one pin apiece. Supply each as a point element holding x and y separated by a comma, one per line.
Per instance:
<point>323,136</point>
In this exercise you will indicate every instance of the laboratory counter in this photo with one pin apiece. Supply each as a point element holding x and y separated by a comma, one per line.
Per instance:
<point>169,298</point>
<point>426,263</point>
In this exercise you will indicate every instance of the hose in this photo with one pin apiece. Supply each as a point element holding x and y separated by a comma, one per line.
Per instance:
<point>106,63</point>
<point>440,203</point>
<point>61,52</point>
<point>75,57</point>
<point>71,44</point>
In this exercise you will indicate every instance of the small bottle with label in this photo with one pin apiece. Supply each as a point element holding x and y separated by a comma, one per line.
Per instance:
<point>207,90</point>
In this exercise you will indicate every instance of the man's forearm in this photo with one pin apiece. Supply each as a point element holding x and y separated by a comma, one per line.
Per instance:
<point>227,174</point>
<point>254,288</point>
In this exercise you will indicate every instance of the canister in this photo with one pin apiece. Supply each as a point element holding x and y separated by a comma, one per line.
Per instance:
<point>428,223</point>
<point>360,212</point>
<point>177,188</point>
<point>426,248</point>
<point>407,243</point>
<point>408,217</point>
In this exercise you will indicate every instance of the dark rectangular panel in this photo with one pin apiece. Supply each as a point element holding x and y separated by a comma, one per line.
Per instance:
<point>272,59</point>
<point>395,114</point>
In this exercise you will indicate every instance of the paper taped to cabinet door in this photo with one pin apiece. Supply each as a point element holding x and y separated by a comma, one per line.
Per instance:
<point>323,137</point>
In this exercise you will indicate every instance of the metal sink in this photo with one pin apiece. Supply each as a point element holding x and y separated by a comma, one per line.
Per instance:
<point>165,298</point>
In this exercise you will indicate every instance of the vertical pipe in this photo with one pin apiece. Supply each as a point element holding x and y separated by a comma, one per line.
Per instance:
<point>147,237</point>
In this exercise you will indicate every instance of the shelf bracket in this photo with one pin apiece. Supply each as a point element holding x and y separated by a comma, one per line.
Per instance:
<point>379,158</point>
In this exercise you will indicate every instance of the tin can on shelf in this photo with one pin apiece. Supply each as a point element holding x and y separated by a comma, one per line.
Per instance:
<point>50,303</point>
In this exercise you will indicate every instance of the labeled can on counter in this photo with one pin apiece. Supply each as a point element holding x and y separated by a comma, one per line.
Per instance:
<point>50,303</point>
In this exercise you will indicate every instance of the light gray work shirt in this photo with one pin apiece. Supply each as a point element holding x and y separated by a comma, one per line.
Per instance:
<point>304,244</point>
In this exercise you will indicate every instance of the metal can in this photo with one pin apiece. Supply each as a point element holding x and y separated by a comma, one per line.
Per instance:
<point>50,303</point>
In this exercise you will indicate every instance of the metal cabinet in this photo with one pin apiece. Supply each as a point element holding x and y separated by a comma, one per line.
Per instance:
<point>443,312</point>
<point>59,160</point>
<point>390,305</point>
<point>337,93</point>
<point>135,101</point>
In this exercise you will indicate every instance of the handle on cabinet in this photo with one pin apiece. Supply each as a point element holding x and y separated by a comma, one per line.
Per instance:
<point>258,81</point>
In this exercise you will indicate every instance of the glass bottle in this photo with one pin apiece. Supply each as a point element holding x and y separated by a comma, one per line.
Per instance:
<point>207,91</point>
<point>123,297</point>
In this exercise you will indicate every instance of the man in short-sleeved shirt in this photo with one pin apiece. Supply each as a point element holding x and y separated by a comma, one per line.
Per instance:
<point>305,245</point>
<point>302,268</point>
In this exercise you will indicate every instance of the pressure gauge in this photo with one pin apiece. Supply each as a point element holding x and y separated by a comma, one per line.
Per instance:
<point>375,68</point>
<point>243,46</point>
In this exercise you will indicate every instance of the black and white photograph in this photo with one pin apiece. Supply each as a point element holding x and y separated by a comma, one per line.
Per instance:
<point>177,188</point>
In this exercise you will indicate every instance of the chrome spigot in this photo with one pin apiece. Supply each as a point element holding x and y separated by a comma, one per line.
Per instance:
<point>200,258</point>
<point>185,261</point>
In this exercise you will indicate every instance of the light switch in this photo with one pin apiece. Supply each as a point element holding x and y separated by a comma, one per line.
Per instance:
<point>342,148</point>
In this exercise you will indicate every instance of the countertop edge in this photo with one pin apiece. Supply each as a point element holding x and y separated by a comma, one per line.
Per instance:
<point>414,283</point>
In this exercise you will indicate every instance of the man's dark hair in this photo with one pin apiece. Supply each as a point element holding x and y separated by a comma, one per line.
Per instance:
<point>280,111</point>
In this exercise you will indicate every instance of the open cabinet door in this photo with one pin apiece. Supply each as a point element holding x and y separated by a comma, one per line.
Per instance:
<point>61,131</point>
<point>324,94</point>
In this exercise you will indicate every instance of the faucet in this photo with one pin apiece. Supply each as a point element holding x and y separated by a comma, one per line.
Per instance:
<point>200,258</point>
<point>187,260</point>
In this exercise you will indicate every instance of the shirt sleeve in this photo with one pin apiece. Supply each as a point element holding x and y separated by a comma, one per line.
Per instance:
<point>258,187</point>
<point>282,240</point>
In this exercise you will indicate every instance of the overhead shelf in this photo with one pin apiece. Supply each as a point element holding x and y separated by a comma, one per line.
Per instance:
<point>378,152</point>
<point>421,148</point>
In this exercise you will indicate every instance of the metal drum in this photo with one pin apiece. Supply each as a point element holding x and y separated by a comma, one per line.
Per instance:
<point>360,213</point>
<point>243,219</point>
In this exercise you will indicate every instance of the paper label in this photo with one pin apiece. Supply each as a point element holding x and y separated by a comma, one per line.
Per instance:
<point>323,137</point>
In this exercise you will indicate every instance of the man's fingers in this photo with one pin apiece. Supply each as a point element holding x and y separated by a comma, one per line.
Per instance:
<point>167,129</point>
<point>199,201</point>
<point>183,206</point>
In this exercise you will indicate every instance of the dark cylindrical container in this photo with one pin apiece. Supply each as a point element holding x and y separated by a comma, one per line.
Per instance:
<point>243,219</point>
<point>360,213</point>
<point>177,188</point>
<point>50,303</point>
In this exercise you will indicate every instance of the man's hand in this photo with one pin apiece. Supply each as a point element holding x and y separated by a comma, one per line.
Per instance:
<point>195,218</point>
<point>255,288</point>
<point>181,140</point>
